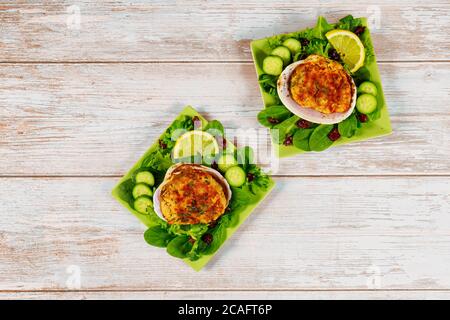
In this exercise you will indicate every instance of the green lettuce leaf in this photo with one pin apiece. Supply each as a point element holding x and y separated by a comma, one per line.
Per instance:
<point>321,28</point>
<point>176,129</point>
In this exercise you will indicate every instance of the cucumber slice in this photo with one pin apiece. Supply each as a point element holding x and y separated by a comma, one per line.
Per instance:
<point>141,189</point>
<point>366,103</point>
<point>235,176</point>
<point>226,161</point>
<point>145,177</point>
<point>293,45</point>
<point>273,65</point>
<point>284,53</point>
<point>142,204</point>
<point>367,87</point>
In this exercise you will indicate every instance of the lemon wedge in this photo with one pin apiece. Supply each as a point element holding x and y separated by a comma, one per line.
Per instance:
<point>194,143</point>
<point>349,47</point>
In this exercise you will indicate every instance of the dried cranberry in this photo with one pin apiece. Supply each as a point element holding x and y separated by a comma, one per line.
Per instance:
<point>215,166</point>
<point>304,42</point>
<point>221,142</point>
<point>250,177</point>
<point>304,124</point>
<point>362,117</point>
<point>359,30</point>
<point>334,134</point>
<point>334,55</point>
<point>162,144</point>
<point>191,240</point>
<point>272,120</point>
<point>213,224</point>
<point>197,122</point>
<point>303,56</point>
<point>288,141</point>
<point>207,238</point>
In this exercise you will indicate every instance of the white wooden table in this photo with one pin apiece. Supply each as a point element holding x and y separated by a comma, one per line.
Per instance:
<point>82,99</point>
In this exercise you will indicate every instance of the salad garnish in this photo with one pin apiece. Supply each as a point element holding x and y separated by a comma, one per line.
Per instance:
<point>347,42</point>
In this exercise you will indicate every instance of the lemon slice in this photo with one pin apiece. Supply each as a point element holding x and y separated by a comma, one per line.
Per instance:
<point>349,47</point>
<point>194,143</point>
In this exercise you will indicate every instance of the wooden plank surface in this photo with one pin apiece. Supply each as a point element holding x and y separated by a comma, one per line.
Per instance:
<point>311,233</point>
<point>58,119</point>
<point>205,31</point>
<point>80,103</point>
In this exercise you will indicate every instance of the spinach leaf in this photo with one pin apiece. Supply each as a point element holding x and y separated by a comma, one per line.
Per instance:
<point>361,75</point>
<point>347,128</point>
<point>302,144</point>
<point>269,84</point>
<point>376,114</point>
<point>281,130</point>
<point>125,191</point>
<point>303,133</point>
<point>156,220</point>
<point>219,234</point>
<point>273,115</point>
<point>319,141</point>
<point>301,139</point>
<point>215,128</point>
<point>157,236</point>
<point>232,219</point>
<point>241,197</point>
<point>179,247</point>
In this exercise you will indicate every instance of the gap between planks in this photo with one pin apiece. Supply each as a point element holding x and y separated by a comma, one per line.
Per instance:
<point>191,62</point>
<point>405,175</point>
<point>228,290</point>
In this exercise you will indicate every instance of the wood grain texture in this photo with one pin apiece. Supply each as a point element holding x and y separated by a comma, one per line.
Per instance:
<point>205,30</point>
<point>98,119</point>
<point>78,106</point>
<point>310,233</point>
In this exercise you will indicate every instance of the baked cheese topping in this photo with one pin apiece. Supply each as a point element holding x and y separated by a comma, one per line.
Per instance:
<point>192,196</point>
<point>321,84</point>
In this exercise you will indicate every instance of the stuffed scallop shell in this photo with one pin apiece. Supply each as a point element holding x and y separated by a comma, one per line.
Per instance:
<point>317,89</point>
<point>191,194</point>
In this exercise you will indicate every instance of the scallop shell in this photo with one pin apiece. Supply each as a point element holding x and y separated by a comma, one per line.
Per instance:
<point>308,113</point>
<point>171,171</point>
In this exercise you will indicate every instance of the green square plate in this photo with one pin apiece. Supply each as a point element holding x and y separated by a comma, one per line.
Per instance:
<point>145,219</point>
<point>380,127</point>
